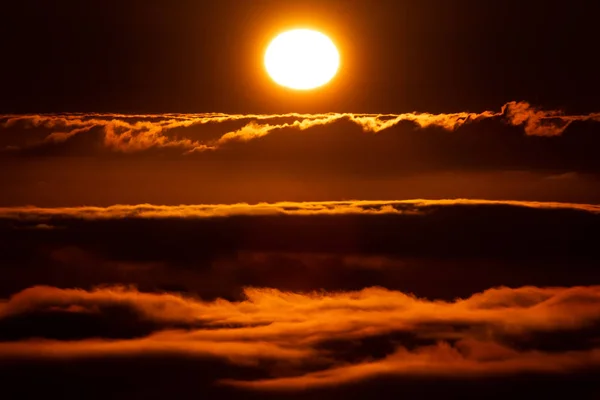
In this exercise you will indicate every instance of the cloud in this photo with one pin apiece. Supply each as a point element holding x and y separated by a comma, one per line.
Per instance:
<point>485,334</point>
<point>274,314</point>
<point>217,250</point>
<point>441,360</point>
<point>131,133</point>
<point>304,296</point>
<point>539,122</point>
<point>366,207</point>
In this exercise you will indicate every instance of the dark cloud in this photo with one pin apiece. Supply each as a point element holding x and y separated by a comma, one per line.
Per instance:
<point>107,159</point>
<point>130,133</point>
<point>216,250</point>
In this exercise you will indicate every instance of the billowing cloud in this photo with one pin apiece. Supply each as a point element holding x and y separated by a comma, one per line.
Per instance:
<point>265,298</point>
<point>488,333</point>
<point>130,133</point>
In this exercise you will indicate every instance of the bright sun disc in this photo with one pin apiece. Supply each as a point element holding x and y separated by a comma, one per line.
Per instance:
<point>302,59</point>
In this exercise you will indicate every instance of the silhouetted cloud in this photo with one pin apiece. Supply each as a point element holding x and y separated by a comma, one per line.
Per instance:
<point>130,133</point>
<point>506,154</point>
<point>217,250</point>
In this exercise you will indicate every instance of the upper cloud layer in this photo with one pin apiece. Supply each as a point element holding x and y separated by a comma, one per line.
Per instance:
<point>130,133</point>
<point>231,158</point>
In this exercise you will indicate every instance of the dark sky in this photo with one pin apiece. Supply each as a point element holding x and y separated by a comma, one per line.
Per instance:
<point>200,56</point>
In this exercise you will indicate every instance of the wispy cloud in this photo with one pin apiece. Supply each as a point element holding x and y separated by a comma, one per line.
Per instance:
<point>538,122</point>
<point>487,333</point>
<point>466,358</point>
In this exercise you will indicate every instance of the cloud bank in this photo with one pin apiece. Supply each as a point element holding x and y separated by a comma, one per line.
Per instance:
<point>131,133</point>
<point>300,298</point>
<point>366,207</point>
<point>318,337</point>
<point>217,250</point>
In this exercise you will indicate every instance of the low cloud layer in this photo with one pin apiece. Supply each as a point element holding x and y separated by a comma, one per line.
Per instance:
<point>131,133</point>
<point>217,250</point>
<point>300,298</point>
<point>318,338</point>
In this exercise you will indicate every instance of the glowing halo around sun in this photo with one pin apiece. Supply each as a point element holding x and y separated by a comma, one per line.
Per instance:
<point>302,59</point>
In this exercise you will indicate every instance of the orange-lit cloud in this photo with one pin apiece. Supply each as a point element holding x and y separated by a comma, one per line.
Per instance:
<point>470,358</point>
<point>129,133</point>
<point>539,122</point>
<point>294,328</point>
<point>164,343</point>
<point>416,206</point>
<point>289,315</point>
<point>217,250</point>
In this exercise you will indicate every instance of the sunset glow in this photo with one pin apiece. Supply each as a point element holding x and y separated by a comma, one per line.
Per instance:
<point>299,200</point>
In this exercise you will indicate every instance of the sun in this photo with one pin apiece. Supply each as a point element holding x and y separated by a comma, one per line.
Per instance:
<point>302,59</point>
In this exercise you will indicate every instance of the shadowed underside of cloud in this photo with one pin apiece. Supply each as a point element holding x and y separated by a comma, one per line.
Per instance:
<point>461,246</point>
<point>130,133</point>
<point>326,338</point>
